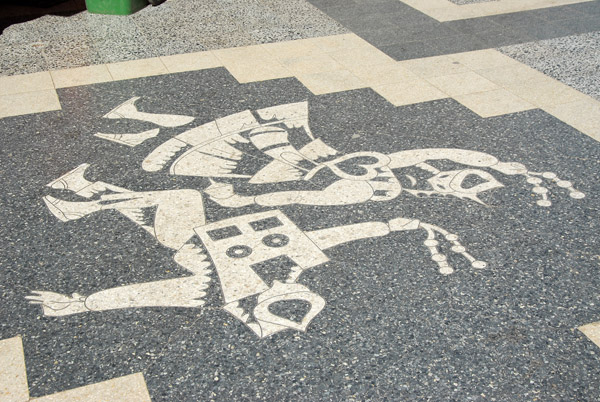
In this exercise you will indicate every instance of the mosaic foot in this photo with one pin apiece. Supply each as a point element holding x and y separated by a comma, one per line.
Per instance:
<point>224,195</point>
<point>73,180</point>
<point>131,140</point>
<point>67,210</point>
<point>128,110</point>
<point>76,182</point>
<point>56,304</point>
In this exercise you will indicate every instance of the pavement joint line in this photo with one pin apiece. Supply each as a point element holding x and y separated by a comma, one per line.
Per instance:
<point>427,78</point>
<point>444,10</point>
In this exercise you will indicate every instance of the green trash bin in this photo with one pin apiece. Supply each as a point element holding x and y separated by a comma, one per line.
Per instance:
<point>115,7</point>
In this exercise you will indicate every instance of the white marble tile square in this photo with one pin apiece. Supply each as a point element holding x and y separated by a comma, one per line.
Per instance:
<point>137,68</point>
<point>494,103</point>
<point>190,61</point>
<point>29,102</point>
<point>14,84</point>
<point>72,77</point>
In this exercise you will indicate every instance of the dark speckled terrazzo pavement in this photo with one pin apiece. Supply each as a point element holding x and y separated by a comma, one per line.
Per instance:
<point>393,327</point>
<point>405,33</point>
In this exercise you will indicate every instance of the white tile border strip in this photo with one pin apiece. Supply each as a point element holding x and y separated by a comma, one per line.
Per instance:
<point>13,376</point>
<point>14,387</point>
<point>592,331</point>
<point>129,388</point>
<point>444,10</point>
<point>497,84</point>
<point>29,102</point>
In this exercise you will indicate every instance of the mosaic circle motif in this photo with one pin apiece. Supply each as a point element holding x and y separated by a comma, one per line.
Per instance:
<point>239,251</point>
<point>276,240</point>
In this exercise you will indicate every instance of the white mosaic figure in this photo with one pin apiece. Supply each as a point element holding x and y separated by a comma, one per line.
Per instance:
<point>256,238</point>
<point>213,150</point>
<point>130,140</point>
<point>128,110</point>
<point>236,245</point>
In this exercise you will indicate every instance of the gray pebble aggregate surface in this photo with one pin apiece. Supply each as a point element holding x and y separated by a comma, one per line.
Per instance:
<point>55,42</point>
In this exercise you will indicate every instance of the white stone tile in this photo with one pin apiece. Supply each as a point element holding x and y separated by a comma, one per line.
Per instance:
<point>463,83</point>
<point>434,66</point>
<point>407,93</point>
<point>494,103</point>
<point>13,376</point>
<point>444,10</point>
<point>330,81</point>
<point>363,56</point>
<point>483,59</point>
<point>592,331</point>
<point>239,55</point>
<point>546,93</point>
<point>512,75</point>
<point>583,115</point>
<point>14,84</point>
<point>258,70</point>
<point>123,389</point>
<point>292,49</point>
<point>29,102</point>
<point>72,77</point>
<point>336,43</point>
<point>190,62</point>
<point>137,68</point>
<point>381,74</point>
<point>311,64</point>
